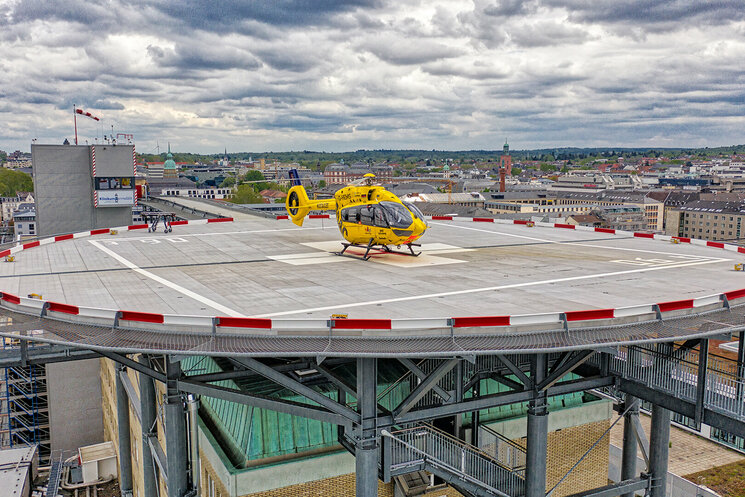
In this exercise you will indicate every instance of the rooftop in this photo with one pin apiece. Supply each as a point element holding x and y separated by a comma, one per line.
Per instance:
<point>270,268</point>
<point>15,465</point>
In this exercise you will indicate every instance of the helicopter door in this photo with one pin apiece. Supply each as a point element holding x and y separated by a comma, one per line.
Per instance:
<point>367,214</point>
<point>380,223</point>
<point>379,218</point>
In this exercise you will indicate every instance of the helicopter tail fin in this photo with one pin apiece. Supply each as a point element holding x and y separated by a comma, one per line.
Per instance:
<point>298,204</point>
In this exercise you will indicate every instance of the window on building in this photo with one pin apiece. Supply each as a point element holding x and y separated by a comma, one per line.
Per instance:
<point>211,490</point>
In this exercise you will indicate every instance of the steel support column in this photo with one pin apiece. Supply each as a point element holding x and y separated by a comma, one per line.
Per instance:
<point>125,443</point>
<point>537,443</point>
<point>630,447</point>
<point>176,454</point>
<point>740,368</point>
<point>458,394</point>
<point>147,408</point>
<point>703,365</point>
<point>658,450</point>
<point>475,416</point>
<point>367,438</point>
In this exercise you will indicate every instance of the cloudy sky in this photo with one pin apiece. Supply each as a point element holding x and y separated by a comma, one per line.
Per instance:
<point>339,75</point>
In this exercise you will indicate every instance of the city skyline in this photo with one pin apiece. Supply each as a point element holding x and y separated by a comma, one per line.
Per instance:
<point>341,76</point>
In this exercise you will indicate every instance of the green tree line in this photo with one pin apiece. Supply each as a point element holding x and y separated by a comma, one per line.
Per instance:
<point>12,182</point>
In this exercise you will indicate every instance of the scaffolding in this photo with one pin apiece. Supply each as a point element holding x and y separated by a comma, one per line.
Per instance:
<point>24,407</point>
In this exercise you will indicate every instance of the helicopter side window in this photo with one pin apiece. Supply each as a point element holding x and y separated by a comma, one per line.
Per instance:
<point>351,214</point>
<point>367,214</point>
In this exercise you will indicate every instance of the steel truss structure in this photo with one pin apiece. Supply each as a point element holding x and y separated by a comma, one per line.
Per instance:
<point>674,376</point>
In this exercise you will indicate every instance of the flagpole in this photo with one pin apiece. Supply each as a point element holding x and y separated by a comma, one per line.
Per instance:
<point>75,117</point>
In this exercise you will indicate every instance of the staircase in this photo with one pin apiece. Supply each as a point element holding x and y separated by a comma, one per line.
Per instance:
<point>469,469</point>
<point>55,474</point>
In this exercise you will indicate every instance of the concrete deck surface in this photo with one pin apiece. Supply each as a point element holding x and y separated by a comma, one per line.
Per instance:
<point>271,268</point>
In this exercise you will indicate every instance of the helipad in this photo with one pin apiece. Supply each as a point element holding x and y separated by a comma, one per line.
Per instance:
<point>267,268</point>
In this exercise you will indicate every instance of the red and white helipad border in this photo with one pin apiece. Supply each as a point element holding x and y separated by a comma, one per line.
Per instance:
<point>462,325</point>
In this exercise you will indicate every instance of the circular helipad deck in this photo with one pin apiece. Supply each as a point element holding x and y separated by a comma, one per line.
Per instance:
<point>267,268</point>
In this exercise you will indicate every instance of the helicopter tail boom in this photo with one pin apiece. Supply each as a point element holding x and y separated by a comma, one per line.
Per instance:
<point>299,205</point>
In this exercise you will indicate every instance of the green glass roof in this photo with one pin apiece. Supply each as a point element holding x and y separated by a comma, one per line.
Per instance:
<point>247,435</point>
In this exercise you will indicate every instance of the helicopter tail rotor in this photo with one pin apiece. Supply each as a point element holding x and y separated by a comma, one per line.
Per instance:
<point>297,204</point>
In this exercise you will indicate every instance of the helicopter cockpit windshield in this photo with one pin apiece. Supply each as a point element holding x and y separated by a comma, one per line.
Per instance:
<point>414,210</point>
<point>398,216</point>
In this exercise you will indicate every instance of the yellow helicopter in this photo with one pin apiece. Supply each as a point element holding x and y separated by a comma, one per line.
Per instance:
<point>369,216</point>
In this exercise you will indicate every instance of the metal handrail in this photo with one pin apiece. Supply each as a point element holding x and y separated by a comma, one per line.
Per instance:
<point>517,451</point>
<point>462,450</point>
<point>452,439</point>
<point>724,389</point>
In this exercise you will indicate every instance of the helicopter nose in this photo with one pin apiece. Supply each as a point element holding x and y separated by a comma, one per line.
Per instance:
<point>420,227</point>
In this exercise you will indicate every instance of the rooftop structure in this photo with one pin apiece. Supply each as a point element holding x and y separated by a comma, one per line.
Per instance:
<point>18,469</point>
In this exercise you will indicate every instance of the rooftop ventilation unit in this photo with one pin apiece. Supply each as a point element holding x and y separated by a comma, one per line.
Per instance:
<point>98,461</point>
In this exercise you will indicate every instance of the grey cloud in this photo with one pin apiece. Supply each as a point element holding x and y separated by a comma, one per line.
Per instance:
<point>510,8</point>
<point>652,12</point>
<point>230,15</point>
<point>546,33</point>
<point>288,58</point>
<point>401,51</point>
<point>474,71</point>
<point>107,104</point>
<point>199,56</point>
<point>88,12</point>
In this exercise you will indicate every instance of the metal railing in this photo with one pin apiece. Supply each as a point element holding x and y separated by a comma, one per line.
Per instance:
<point>428,448</point>
<point>508,453</point>
<point>675,372</point>
<point>55,475</point>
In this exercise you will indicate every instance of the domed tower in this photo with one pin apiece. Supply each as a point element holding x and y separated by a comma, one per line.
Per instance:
<point>169,166</point>
<point>505,161</point>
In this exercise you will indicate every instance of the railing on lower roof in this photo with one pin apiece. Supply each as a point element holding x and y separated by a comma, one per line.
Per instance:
<point>676,372</point>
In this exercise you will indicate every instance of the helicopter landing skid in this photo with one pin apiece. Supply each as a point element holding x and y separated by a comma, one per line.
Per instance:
<point>380,246</point>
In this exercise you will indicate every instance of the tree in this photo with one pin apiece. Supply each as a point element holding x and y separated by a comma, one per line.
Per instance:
<point>12,182</point>
<point>257,179</point>
<point>516,171</point>
<point>246,194</point>
<point>253,175</point>
<point>547,167</point>
<point>322,184</point>
<point>228,182</point>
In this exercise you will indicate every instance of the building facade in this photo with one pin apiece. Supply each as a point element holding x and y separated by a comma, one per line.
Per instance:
<point>709,220</point>
<point>83,187</point>
<point>24,221</point>
<point>341,174</point>
<point>10,204</point>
